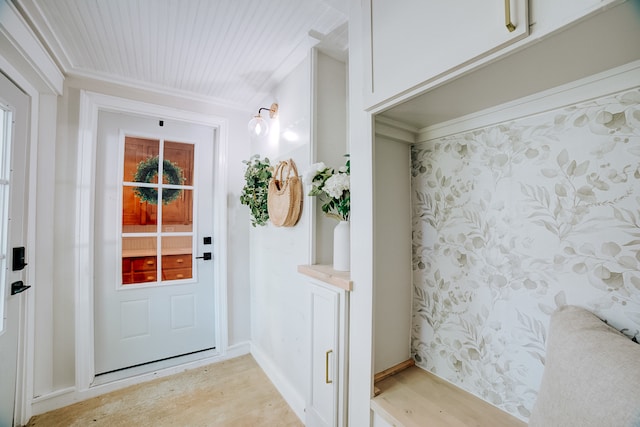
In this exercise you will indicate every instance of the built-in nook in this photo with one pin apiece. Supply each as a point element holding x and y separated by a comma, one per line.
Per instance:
<point>471,161</point>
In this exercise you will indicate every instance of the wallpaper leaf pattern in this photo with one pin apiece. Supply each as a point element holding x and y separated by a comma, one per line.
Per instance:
<point>511,222</point>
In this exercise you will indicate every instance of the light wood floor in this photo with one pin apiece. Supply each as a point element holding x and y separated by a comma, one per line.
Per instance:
<point>231,393</point>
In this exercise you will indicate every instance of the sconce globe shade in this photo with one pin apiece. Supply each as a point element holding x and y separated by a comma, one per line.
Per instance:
<point>258,126</point>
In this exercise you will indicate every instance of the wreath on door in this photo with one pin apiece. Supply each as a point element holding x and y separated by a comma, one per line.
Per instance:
<point>147,170</point>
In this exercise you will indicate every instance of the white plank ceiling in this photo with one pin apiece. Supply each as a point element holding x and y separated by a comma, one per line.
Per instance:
<point>226,51</point>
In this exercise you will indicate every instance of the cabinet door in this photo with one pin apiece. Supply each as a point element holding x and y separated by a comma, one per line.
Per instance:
<point>414,41</point>
<point>322,403</point>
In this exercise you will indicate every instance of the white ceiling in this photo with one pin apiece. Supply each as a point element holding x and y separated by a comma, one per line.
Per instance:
<point>227,51</point>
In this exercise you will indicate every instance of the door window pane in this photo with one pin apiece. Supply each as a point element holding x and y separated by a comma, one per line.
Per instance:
<point>137,151</point>
<point>137,216</point>
<point>139,260</point>
<point>177,257</point>
<point>181,157</point>
<point>177,216</point>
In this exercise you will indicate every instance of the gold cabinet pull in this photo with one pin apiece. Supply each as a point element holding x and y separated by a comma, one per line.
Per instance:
<point>507,16</point>
<point>326,367</point>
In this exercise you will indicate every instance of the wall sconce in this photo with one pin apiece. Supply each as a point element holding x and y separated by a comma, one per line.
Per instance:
<point>259,126</point>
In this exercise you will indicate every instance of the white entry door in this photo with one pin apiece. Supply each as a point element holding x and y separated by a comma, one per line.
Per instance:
<point>13,186</point>
<point>154,278</point>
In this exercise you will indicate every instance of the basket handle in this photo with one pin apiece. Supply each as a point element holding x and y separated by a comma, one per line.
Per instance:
<point>279,174</point>
<point>292,165</point>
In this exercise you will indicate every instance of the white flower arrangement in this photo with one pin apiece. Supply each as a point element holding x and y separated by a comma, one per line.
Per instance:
<point>333,188</point>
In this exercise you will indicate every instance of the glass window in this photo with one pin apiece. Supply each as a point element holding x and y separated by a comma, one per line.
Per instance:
<point>157,213</point>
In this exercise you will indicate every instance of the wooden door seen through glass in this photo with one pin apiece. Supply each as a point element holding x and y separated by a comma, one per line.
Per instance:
<point>157,214</point>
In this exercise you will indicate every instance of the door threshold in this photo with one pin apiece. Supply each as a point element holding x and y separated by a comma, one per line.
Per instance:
<point>154,368</point>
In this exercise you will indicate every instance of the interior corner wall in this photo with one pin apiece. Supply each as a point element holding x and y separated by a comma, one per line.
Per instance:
<point>43,298</point>
<point>514,220</point>
<point>330,141</point>
<point>62,323</point>
<point>392,253</point>
<point>59,353</point>
<point>279,298</point>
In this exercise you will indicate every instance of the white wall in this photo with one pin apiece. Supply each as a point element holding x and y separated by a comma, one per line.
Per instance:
<point>54,349</point>
<point>279,303</point>
<point>280,298</point>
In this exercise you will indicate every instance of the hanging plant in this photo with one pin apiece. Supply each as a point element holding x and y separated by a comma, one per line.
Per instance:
<point>254,192</point>
<point>148,170</point>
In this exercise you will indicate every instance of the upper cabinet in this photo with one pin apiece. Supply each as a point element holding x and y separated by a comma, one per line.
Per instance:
<point>415,45</point>
<point>414,41</point>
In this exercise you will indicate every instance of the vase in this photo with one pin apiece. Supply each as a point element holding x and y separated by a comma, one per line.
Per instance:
<point>342,246</point>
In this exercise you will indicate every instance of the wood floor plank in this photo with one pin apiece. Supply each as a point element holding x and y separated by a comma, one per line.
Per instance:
<point>233,393</point>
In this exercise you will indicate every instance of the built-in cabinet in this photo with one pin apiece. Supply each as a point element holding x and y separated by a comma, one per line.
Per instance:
<point>414,45</point>
<point>413,41</point>
<point>425,66</point>
<point>326,401</point>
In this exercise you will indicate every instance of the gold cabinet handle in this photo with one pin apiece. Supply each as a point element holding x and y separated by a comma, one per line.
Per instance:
<point>507,16</point>
<point>326,367</point>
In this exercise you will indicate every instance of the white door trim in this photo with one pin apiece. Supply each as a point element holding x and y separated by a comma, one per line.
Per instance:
<point>90,104</point>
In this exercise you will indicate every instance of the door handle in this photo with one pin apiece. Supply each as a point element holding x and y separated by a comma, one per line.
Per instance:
<point>18,287</point>
<point>326,367</point>
<point>205,256</point>
<point>507,16</point>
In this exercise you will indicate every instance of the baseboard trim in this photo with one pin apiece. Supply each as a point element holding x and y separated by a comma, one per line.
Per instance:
<point>280,381</point>
<point>71,395</point>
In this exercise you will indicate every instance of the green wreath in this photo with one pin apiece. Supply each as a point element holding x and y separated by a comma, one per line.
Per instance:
<point>148,170</point>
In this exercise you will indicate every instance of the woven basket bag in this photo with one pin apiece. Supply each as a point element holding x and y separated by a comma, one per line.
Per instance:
<point>284,197</point>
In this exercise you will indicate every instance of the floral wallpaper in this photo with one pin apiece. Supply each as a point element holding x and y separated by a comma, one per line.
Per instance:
<point>514,220</point>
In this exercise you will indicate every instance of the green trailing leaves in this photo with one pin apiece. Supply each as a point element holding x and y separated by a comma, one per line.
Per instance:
<point>254,193</point>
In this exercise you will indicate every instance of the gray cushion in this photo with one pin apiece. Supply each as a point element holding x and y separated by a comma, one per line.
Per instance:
<point>591,375</point>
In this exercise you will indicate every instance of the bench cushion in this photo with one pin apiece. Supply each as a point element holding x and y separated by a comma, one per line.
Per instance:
<point>591,375</point>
